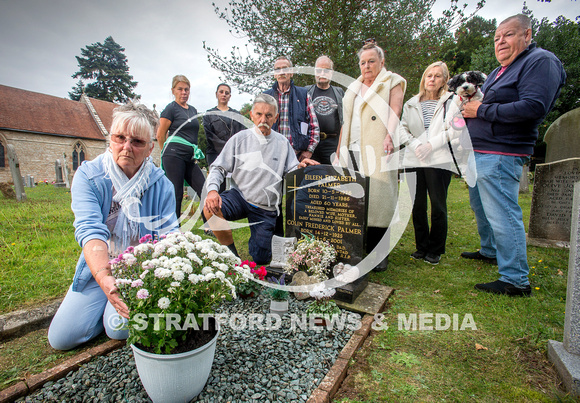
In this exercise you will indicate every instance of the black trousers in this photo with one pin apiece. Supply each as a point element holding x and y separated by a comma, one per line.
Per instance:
<point>177,170</point>
<point>433,182</point>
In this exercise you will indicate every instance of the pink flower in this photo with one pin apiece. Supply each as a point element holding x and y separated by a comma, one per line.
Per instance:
<point>142,294</point>
<point>137,283</point>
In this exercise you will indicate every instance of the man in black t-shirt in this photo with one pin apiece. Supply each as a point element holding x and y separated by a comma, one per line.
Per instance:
<point>327,103</point>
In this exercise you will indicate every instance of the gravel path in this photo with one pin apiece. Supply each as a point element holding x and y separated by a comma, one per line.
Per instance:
<point>251,365</point>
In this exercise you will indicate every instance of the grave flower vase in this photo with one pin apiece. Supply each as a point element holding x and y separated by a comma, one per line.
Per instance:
<point>278,307</point>
<point>176,378</point>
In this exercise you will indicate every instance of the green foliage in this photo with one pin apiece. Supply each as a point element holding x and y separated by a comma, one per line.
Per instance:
<point>277,294</point>
<point>304,30</point>
<point>484,59</point>
<point>471,37</point>
<point>245,110</point>
<point>105,64</point>
<point>323,308</point>
<point>562,37</point>
<point>38,251</point>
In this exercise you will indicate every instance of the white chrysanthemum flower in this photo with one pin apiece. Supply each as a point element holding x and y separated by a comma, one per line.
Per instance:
<point>187,269</point>
<point>163,303</point>
<point>178,275</point>
<point>142,276</point>
<point>162,272</point>
<point>172,250</point>
<point>220,275</point>
<point>175,284</point>
<point>194,278</point>
<point>206,270</point>
<point>209,276</point>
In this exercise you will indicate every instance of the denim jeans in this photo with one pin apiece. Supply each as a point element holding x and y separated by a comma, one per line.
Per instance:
<point>500,224</point>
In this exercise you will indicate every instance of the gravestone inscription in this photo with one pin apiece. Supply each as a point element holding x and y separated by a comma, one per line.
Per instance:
<point>331,204</point>
<point>552,202</point>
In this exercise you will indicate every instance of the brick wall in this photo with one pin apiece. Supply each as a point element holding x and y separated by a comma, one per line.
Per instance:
<point>37,153</point>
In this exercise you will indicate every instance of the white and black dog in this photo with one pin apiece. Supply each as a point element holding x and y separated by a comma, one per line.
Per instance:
<point>467,86</point>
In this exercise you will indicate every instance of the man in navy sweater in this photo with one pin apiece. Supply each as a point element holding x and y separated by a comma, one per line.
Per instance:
<point>503,129</point>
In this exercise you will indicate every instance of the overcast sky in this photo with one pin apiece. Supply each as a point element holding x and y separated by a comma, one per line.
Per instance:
<point>40,39</point>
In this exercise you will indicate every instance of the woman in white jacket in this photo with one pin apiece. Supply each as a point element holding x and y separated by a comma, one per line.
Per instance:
<point>424,131</point>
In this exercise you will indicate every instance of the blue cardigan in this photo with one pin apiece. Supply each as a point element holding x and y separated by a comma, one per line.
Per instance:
<point>517,102</point>
<point>92,195</point>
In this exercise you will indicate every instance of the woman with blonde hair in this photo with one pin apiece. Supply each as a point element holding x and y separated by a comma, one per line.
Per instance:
<point>423,130</point>
<point>177,138</point>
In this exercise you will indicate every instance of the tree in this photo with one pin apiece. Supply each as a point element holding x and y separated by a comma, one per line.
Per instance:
<point>106,64</point>
<point>306,29</point>
<point>469,39</point>
<point>562,37</point>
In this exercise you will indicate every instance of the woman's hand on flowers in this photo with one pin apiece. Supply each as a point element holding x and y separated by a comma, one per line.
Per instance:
<point>112,293</point>
<point>423,151</point>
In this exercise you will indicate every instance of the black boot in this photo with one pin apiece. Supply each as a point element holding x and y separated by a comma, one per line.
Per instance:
<point>232,247</point>
<point>383,265</point>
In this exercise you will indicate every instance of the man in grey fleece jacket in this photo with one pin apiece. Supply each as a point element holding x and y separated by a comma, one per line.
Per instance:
<point>258,158</point>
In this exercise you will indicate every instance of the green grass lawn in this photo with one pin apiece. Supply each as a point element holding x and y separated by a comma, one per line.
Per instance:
<point>503,360</point>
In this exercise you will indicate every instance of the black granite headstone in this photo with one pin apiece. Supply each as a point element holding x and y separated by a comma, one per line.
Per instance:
<point>331,204</point>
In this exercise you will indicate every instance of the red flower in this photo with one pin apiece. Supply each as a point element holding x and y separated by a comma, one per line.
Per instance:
<point>261,272</point>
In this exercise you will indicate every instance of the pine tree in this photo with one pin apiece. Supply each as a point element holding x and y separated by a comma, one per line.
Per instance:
<point>106,65</point>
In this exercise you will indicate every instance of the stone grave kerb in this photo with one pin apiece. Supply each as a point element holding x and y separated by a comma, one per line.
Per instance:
<point>566,356</point>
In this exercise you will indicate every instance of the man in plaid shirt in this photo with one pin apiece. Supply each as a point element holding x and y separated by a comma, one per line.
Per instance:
<point>297,120</point>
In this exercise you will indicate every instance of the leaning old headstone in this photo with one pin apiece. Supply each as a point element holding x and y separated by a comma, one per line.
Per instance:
<point>552,203</point>
<point>329,203</point>
<point>58,170</point>
<point>16,175</point>
<point>562,137</point>
<point>65,171</point>
<point>566,356</point>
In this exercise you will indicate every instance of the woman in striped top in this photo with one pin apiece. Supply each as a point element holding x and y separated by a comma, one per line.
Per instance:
<point>422,131</point>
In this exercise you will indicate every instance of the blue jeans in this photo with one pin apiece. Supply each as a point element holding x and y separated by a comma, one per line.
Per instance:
<point>82,316</point>
<point>500,224</point>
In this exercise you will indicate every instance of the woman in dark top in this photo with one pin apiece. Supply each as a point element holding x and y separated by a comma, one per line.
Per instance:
<point>177,137</point>
<point>218,126</point>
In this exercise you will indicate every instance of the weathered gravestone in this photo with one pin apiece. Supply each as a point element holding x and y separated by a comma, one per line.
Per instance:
<point>330,204</point>
<point>566,356</point>
<point>524,182</point>
<point>552,203</point>
<point>58,170</point>
<point>65,171</point>
<point>562,137</point>
<point>16,176</point>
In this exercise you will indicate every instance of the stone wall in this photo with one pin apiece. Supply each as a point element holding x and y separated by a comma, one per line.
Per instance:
<point>37,153</point>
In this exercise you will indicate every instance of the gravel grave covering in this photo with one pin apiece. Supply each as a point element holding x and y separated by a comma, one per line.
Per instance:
<point>251,365</point>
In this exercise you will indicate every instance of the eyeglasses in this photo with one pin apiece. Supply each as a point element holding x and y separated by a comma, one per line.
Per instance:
<point>369,41</point>
<point>318,70</point>
<point>122,139</point>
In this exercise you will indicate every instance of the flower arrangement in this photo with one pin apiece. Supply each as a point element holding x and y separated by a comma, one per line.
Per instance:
<point>275,293</point>
<point>249,286</point>
<point>312,256</point>
<point>323,306</point>
<point>177,276</point>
